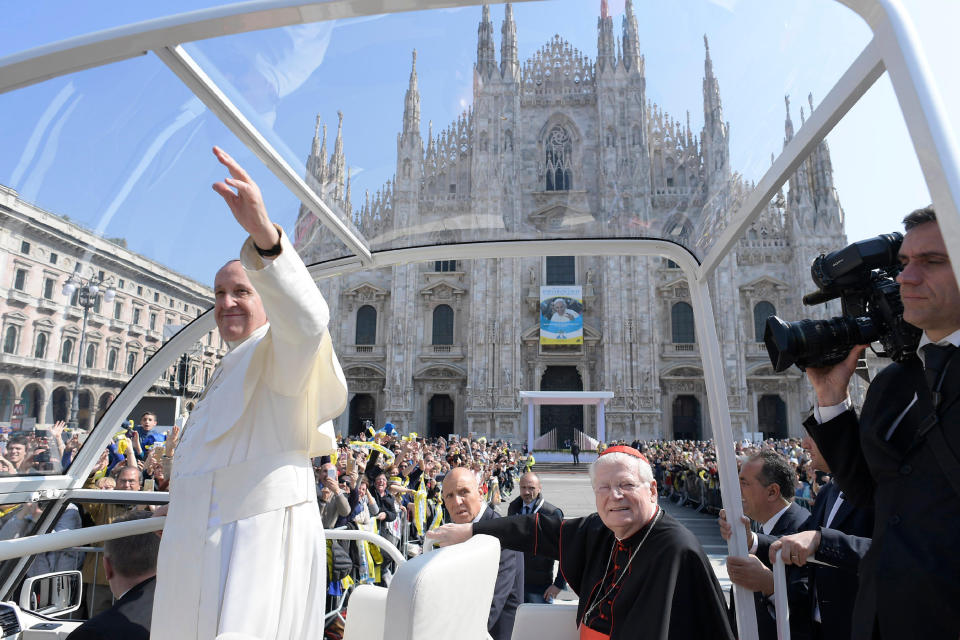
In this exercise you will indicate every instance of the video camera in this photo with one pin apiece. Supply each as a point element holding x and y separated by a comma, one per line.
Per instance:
<point>863,276</point>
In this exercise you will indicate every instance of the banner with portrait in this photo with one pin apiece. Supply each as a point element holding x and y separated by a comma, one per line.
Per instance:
<point>561,315</point>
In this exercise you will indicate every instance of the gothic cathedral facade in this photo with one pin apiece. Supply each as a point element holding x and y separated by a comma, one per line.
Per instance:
<point>563,146</point>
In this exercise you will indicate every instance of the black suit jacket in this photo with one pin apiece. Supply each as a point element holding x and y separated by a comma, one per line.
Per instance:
<point>790,522</point>
<point>842,545</point>
<point>908,579</point>
<point>128,619</point>
<point>538,570</point>
<point>508,592</point>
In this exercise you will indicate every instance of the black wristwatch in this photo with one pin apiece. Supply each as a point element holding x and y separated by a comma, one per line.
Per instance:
<point>272,251</point>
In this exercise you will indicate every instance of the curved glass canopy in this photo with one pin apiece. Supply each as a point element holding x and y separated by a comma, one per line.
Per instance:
<point>731,137</point>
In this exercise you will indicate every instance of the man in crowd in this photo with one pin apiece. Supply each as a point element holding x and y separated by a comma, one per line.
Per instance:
<point>130,564</point>
<point>128,479</point>
<point>17,453</point>
<point>638,572</point>
<point>838,535</point>
<point>243,542</point>
<point>539,585</point>
<point>767,483</point>
<point>901,454</point>
<point>461,497</point>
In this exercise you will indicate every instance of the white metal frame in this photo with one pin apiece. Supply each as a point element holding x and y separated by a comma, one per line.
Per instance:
<point>894,49</point>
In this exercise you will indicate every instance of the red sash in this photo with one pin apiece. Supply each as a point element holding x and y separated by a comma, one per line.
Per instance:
<point>586,633</point>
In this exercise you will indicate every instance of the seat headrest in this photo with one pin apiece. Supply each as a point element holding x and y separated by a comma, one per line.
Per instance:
<point>446,593</point>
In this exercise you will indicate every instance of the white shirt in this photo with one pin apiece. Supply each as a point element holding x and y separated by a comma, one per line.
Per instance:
<point>483,508</point>
<point>768,527</point>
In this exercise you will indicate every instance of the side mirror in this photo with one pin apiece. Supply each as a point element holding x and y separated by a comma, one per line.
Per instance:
<point>52,594</point>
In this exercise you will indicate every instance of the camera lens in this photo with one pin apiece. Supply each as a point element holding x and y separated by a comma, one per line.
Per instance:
<point>815,343</point>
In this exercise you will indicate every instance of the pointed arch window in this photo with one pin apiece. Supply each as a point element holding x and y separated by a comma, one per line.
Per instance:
<point>66,353</point>
<point>366,325</point>
<point>10,340</point>
<point>681,317</point>
<point>761,311</point>
<point>442,325</point>
<point>558,161</point>
<point>40,349</point>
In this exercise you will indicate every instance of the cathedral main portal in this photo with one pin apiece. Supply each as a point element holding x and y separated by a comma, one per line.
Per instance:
<point>567,419</point>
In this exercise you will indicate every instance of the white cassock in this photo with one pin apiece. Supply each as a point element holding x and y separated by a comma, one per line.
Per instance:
<point>243,549</point>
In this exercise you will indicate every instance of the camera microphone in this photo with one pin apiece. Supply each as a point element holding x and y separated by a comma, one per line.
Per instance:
<point>818,297</point>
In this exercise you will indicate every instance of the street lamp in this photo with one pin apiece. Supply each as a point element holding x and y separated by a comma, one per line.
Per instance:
<point>87,290</point>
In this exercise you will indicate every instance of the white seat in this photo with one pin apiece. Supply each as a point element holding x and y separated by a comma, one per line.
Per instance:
<point>541,621</point>
<point>443,594</point>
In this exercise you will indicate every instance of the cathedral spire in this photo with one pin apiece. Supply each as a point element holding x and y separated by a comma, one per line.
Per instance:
<point>337,162</point>
<point>411,105</point>
<point>317,162</point>
<point>712,108</point>
<point>788,123</point>
<point>346,205</point>
<point>509,62</point>
<point>606,56</point>
<point>631,40</point>
<point>486,52</point>
<point>714,140</point>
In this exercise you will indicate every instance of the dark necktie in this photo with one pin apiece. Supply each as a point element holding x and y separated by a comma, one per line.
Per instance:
<point>935,358</point>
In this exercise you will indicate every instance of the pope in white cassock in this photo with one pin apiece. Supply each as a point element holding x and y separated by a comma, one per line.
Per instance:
<point>243,550</point>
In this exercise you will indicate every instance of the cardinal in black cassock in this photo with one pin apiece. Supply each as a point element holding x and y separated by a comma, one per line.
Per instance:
<point>654,583</point>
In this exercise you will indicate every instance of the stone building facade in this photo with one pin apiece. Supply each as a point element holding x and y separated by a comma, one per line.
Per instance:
<point>41,328</point>
<point>562,146</point>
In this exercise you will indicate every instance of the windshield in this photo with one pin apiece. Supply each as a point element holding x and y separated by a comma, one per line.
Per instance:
<point>550,120</point>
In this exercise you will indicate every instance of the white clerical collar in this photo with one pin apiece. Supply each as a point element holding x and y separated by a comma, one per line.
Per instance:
<point>480,513</point>
<point>256,333</point>
<point>772,522</point>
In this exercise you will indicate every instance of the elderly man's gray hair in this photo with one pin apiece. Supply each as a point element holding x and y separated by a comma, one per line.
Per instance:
<point>644,472</point>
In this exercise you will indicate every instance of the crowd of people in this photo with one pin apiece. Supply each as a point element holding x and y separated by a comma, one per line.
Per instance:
<point>686,470</point>
<point>391,485</point>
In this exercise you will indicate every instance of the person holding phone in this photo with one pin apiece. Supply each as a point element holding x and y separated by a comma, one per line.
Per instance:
<point>330,497</point>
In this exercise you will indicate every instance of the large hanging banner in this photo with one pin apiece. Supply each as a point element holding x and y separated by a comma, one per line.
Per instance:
<point>561,315</point>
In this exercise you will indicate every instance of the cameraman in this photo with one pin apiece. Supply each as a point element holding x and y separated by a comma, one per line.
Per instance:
<point>901,456</point>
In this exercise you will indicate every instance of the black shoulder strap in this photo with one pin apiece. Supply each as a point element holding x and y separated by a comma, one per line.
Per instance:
<point>932,429</point>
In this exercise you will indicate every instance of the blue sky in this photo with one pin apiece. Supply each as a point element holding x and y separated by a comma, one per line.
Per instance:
<point>124,149</point>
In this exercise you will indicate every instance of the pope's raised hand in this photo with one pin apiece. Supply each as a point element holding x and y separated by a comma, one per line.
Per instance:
<point>247,203</point>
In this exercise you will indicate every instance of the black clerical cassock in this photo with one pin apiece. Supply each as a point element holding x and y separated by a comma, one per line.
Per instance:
<point>657,584</point>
